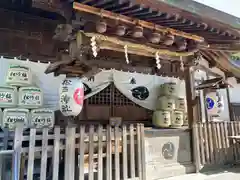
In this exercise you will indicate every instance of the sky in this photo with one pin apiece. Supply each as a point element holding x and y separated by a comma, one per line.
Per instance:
<point>229,6</point>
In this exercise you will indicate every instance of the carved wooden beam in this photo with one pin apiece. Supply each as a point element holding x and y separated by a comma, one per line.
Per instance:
<point>101,64</point>
<point>116,44</point>
<point>91,72</point>
<point>207,70</point>
<point>132,21</point>
<point>64,60</point>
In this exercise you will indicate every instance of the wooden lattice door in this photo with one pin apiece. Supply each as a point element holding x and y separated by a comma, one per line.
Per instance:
<point>110,102</point>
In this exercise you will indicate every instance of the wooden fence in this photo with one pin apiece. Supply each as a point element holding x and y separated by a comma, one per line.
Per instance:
<point>212,145</point>
<point>92,152</point>
<point>235,111</point>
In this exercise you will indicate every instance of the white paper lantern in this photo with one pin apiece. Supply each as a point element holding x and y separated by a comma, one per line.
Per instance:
<point>71,96</point>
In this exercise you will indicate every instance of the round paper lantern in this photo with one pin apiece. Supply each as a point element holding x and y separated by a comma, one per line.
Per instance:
<point>71,96</point>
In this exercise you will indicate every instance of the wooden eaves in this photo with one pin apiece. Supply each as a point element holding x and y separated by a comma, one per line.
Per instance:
<point>215,83</point>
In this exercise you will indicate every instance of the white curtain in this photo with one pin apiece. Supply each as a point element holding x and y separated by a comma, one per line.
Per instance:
<point>50,84</point>
<point>97,83</point>
<point>142,89</point>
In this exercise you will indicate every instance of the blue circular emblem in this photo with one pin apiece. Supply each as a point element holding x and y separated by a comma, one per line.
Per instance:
<point>209,103</point>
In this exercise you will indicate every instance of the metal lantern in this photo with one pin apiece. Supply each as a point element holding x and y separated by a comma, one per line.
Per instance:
<point>71,96</point>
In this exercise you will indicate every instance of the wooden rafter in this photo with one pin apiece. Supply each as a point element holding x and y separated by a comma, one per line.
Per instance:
<point>132,21</point>
<point>195,12</point>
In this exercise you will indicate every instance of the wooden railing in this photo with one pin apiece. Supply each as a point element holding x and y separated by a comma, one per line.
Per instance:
<point>212,145</point>
<point>75,153</point>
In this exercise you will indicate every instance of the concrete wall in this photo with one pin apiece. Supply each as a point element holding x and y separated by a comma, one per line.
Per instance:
<point>168,153</point>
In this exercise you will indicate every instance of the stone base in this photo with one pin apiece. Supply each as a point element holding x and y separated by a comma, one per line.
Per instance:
<point>168,153</point>
<point>156,171</point>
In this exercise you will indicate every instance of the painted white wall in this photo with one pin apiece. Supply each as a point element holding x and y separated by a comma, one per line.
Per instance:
<point>235,94</point>
<point>224,115</point>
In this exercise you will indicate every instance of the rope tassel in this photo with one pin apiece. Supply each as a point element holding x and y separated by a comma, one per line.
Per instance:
<point>157,57</point>
<point>94,46</point>
<point>181,64</point>
<point>126,53</point>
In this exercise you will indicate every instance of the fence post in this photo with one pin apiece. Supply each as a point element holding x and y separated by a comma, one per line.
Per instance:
<point>70,153</point>
<point>56,153</point>
<point>2,158</point>
<point>196,149</point>
<point>144,176</point>
<point>31,154</point>
<point>17,152</point>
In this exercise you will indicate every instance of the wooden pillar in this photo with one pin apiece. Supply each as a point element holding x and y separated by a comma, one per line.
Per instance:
<point>192,101</point>
<point>193,116</point>
<point>204,96</point>
<point>229,105</point>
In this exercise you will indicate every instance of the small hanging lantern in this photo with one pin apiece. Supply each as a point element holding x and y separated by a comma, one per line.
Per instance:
<point>71,96</point>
